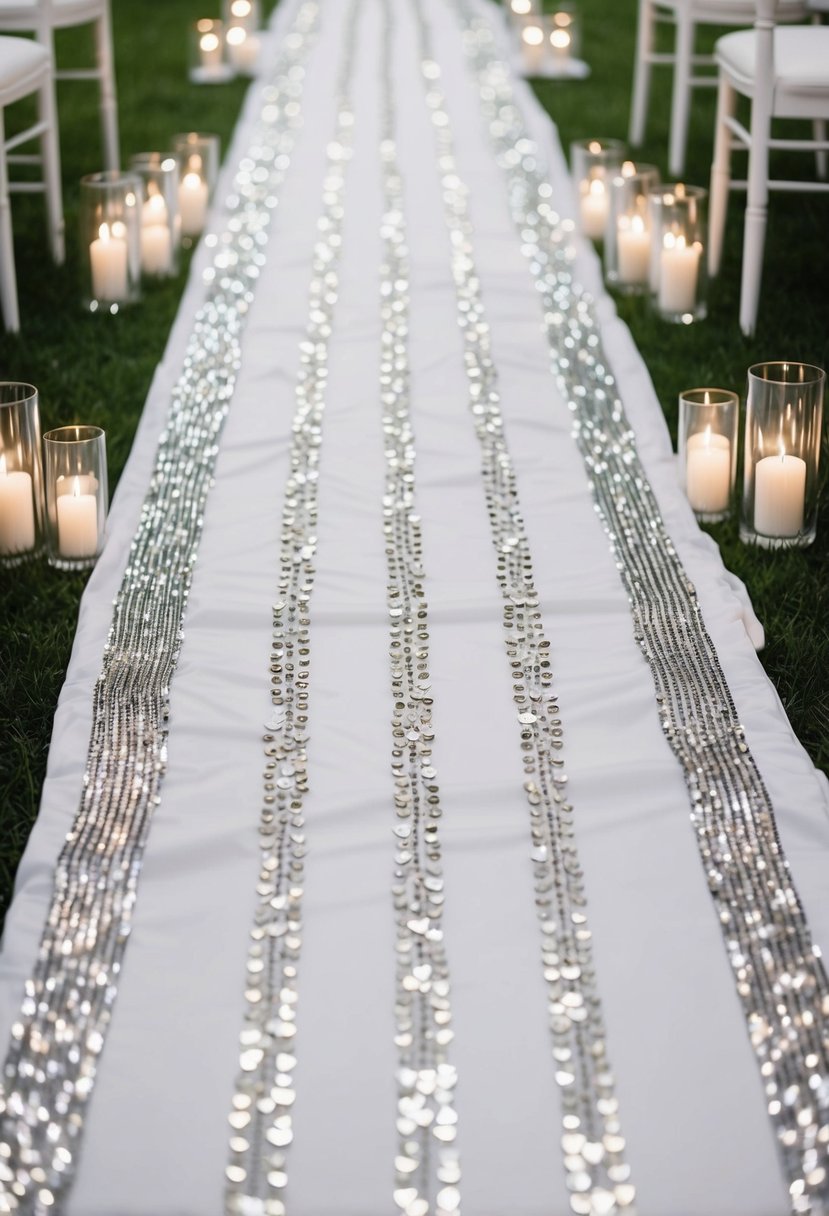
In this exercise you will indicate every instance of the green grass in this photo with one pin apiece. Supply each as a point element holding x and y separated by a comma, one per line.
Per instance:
<point>98,369</point>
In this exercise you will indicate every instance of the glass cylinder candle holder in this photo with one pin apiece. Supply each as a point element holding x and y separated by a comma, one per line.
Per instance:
<point>533,45</point>
<point>678,280</point>
<point>243,47</point>
<point>784,413</point>
<point>593,162</point>
<point>77,495</point>
<point>208,61</point>
<point>242,13</point>
<point>110,239</point>
<point>160,222</point>
<point>21,474</point>
<point>563,33</point>
<point>519,9</point>
<point>707,460</point>
<point>627,243</point>
<point>198,155</point>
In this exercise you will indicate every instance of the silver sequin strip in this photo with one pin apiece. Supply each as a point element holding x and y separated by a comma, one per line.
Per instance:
<point>597,1174</point>
<point>779,976</point>
<point>261,1116</point>
<point>50,1069</point>
<point>427,1166</point>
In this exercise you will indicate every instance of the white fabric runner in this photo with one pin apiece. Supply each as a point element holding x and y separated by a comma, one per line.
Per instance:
<point>692,1107</point>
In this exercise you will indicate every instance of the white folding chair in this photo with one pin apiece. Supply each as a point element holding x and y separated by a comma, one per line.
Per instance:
<point>25,69</point>
<point>42,18</point>
<point>784,71</point>
<point>685,16</point>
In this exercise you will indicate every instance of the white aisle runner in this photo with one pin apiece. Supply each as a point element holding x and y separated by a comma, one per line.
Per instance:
<point>699,1141</point>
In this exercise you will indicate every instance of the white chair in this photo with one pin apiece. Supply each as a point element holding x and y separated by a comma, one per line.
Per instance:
<point>26,68</point>
<point>42,18</point>
<point>685,16</point>
<point>784,71</point>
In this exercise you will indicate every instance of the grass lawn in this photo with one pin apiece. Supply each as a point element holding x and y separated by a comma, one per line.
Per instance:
<point>97,370</point>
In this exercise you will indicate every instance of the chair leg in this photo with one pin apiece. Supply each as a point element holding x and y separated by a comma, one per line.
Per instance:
<point>642,73</point>
<point>109,102</point>
<point>50,156</point>
<point>8,277</point>
<point>819,133</point>
<point>681,98</point>
<point>754,238</point>
<point>720,174</point>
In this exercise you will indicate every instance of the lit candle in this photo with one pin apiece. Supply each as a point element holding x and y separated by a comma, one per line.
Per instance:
<point>210,52</point>
<point>779,494</point>
<point>243,48</point>
<point>533,49</point>
<point>708,471</point>
<point>77,521</point>
<point>108,260</point>
<point>521,8</point>
<point>634,249</point>
<point>594,208</point>
<point>678,272</point>
<point>156,238</point>
<point>192,201</point>
<point>561,42</point>
<point>243,13</point>
<point>17,510</point>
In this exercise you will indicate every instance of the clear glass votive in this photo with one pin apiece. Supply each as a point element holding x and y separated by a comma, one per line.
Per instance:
<point>242,13</point>
<point>518,9</point>
<point>784,413</point>
<point>677,271</point>
<point>563,30</point>
<point>160,222</point>
<point>110,239</point>
<point>627,243</point>
<point>533,44</point>
<point>243,47</point>
<point>208,61</point>
<point>707,459</point>
<point>198,155</point>
<point>21,474</point>
<point>77,495</point>
<point>593,162</point>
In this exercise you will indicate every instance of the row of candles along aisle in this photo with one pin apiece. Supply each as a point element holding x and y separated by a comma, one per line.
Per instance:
<point>133,222</point>
<point>781,453</point>
<point>62,499</point>
<point>54,491</point>
<point>653,234</point>
<point>221,48</point>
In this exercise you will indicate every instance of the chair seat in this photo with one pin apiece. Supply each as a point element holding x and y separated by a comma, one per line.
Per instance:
<point>22,14</point>
<point>21,63</point>
<point>801,58</point>
<point>729,12</point>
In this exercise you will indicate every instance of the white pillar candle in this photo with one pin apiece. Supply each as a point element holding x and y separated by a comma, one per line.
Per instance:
<point>533,49</point>
<point>594,208</point>
<point>243,13</point>
<point>243,49</point>
<point>779,495</point>
<point>77,522</point>
<point>156,249</point>
<point>678,273</point>
<point>108,256</point>
<point>633,244</point>
<point>17,510</point>
<point>192,201</point>
<point>561,44</point>
<point>708,471</point>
